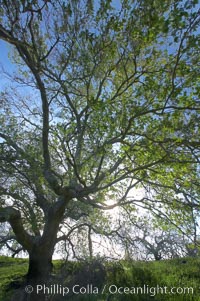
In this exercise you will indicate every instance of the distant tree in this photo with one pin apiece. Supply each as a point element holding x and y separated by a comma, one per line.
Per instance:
<point>105,99</point>
<point>192,242</point>
<point>193,250</point>
<point>144,238</point>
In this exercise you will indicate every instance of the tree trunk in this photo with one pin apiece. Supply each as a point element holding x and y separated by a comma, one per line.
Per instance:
<point>40,266</point>
<point>39,274</point>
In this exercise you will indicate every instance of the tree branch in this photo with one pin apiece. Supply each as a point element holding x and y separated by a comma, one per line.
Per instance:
<point>13,217</point>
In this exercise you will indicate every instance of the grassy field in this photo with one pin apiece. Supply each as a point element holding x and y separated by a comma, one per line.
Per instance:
<point>167,280</point>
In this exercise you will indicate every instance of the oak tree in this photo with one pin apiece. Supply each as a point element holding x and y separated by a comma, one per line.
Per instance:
<point>104,99</point>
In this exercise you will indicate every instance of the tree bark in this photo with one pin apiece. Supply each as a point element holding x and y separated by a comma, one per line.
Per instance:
<point>40,249</point>
<point>40,256</point>
<point>39,273</point>
<point>40,265</point>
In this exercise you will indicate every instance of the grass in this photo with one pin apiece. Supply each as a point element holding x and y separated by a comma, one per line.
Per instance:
<point>11,270</point>
<point>154,275</point>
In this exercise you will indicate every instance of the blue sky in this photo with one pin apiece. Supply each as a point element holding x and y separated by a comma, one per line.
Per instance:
<point>5,48</point>
<point>5,63</point>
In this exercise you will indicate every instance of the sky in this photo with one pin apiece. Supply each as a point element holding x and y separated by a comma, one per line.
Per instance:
<point>5,48</point>
<point>5,62</point>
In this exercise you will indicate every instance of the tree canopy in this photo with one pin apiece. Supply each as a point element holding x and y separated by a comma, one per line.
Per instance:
<point>104,100</point>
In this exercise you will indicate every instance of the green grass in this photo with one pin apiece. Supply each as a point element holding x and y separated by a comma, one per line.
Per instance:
<point>166,273</point>
<point>11,269</point>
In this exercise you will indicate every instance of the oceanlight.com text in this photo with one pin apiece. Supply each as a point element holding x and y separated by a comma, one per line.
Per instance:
<point>149,290</point>
<point>58,289</point>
